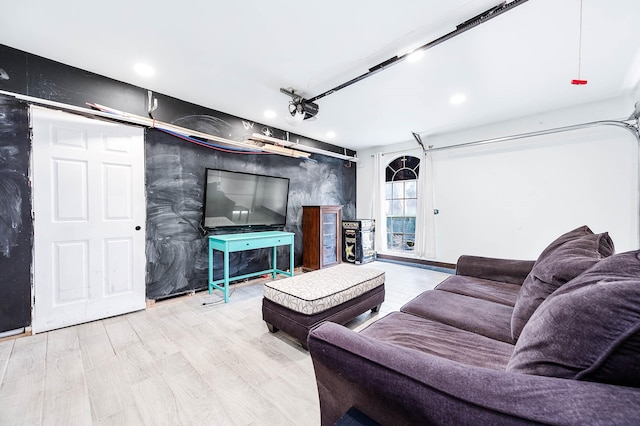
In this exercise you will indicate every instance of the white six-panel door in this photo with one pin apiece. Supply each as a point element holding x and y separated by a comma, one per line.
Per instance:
<point>89,219</point>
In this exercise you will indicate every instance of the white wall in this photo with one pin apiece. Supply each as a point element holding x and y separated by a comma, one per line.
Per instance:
<point>512,198</point>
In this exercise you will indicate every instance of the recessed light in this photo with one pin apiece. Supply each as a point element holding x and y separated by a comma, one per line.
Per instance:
<point>270,113</point>
<point>144,70</point>
<point>457,99</point>
<point>331,135</point>
<point>415,56</point>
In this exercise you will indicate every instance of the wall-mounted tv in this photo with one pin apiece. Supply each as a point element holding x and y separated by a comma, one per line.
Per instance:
<point>244,200</point>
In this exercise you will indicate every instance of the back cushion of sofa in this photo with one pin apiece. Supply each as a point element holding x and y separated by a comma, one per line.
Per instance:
<point>579,232</point>
<point>564,259</point>
<point>589,329</point>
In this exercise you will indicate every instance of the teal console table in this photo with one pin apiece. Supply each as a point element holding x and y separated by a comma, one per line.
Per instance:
<point>248,241</point>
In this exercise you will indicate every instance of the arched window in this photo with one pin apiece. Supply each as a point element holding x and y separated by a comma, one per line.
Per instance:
<point>401,203</point>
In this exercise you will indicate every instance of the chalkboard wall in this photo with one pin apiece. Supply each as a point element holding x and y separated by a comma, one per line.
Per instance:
<point>175,172</point>
<point>16,228</point>
<point>176,248</point>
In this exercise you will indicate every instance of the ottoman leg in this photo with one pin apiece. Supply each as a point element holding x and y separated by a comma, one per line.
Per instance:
<point>272,328</point>
<point>376,308</point>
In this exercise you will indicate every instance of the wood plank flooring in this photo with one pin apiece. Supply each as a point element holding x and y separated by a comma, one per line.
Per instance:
<point>191,360</point>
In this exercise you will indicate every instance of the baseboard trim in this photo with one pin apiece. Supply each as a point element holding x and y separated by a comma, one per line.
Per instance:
<point>421,263</point>
<point>12,334</point>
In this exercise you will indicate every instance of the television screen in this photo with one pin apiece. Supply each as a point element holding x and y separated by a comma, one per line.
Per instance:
<point>234,199</point>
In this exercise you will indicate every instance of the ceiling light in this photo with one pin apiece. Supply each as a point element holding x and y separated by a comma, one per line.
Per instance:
<point>457,99</point>
<point>270,113</point>
<point>144,70</point>
<point>415,56</point>
<point>331,135</point>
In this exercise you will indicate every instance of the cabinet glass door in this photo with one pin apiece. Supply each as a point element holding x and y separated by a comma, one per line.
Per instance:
<point>329,238</point>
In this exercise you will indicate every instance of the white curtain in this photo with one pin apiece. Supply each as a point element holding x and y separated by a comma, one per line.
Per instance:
<point>378,205</point>
<point>425,220</point>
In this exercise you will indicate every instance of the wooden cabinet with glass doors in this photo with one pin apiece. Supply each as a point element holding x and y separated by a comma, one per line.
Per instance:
<point>321,237</point>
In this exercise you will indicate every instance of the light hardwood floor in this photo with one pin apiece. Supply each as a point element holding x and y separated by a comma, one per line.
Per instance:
<point>190,360</point>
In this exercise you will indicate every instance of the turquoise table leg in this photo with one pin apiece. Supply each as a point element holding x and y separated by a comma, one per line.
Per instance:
<point>210,269</point>
<point>274,262</point>
<point>291,259</point>
<point>226,276</point>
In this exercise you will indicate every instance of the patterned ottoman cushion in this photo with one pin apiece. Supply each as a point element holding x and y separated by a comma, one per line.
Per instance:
<point>318,291</point>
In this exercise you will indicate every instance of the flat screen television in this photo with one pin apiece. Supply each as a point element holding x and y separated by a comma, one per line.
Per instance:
<point>244,200</point>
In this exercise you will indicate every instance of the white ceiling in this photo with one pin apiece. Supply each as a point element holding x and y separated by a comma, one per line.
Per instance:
<point>235,56</point>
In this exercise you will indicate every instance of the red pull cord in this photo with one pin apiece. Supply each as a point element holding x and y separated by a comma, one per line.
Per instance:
<point>578,81</point>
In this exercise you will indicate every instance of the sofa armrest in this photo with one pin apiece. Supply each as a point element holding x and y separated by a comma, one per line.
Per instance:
<point>397,385</point>
<point>504,270</point>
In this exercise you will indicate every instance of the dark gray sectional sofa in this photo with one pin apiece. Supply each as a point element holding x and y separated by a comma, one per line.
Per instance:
<point>555,341</point>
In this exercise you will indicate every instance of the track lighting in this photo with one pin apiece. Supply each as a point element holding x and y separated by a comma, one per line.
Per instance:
<point>299,108</point>
<point>296,112</point>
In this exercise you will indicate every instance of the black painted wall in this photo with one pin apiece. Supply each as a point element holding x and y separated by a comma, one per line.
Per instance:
<point>175,172</point>
<point>176,249</point>
<point>16,227</point>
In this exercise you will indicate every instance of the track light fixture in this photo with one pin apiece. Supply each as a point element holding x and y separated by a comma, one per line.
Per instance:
<point>299,108</point>
<point>296,111</point>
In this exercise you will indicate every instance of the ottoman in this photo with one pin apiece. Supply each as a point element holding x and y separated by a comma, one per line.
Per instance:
<point>337,294</point>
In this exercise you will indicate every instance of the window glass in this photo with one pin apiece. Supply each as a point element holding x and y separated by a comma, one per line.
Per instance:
<point>398,190</point>
<point>397,209</point>
<point>397,225</point>
<point>410,225</point>
<point>410,189</point>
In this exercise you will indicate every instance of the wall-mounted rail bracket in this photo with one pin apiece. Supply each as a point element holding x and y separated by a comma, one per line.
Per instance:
<point>418,139</point>
<point>152,103</point>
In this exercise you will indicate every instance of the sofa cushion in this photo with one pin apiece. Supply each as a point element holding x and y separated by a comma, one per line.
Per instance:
<point>493,291</point>
<point>589,329</point>
<point>565,258</point>
<point>441,340</point>
<point>579,232</point>
<point>486,318</point>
